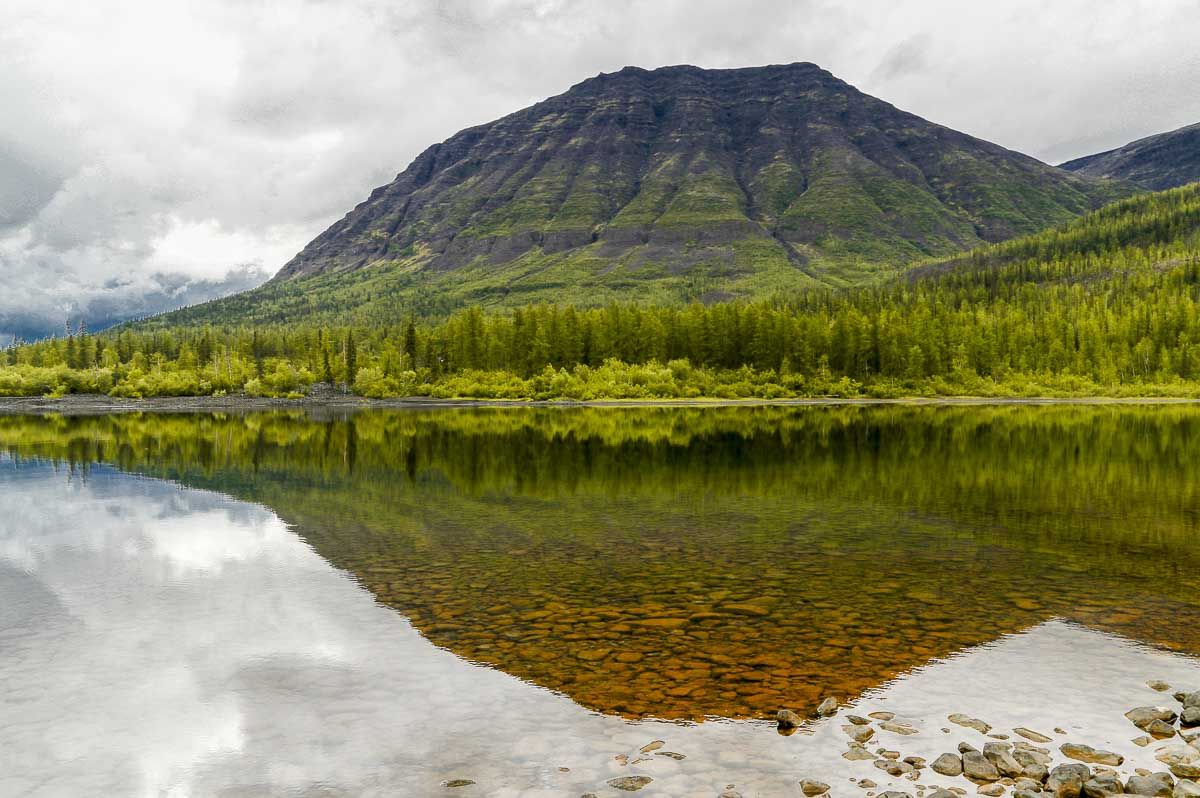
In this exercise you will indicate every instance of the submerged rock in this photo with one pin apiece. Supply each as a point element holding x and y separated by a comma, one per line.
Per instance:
<point>1155,784</point>
<point>1160,729</point>
<point>897,728</point>
<point>1095,756</point>
<point>1028,754</point>
<point>969,722</point>
<point>1177,754</point>
<point>629,783</point>
<point>859,734</point>
<point>812,787</point>
<point>881,715</point>
<point>893,767</point>
<point>457,783</point>
<point>1159,685</point>
<point>857,754</point>
<point>1144,716</point>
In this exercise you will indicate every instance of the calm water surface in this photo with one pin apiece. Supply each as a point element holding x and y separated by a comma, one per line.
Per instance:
<point>372,604</point>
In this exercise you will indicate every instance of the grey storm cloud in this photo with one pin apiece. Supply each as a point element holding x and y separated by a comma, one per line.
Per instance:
<point>152,145</point>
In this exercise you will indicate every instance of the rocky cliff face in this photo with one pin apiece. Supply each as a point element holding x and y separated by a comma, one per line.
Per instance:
<point>681,172</point>
<point>1157,162</point>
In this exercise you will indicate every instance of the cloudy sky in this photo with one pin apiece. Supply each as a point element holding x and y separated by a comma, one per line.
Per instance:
<point>155,152</point>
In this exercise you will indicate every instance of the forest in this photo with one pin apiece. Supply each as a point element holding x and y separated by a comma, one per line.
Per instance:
<point>1106,305</point>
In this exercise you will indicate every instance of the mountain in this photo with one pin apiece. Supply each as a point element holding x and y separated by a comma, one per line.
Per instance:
<point>666,186</point>
<point>1156,162</point>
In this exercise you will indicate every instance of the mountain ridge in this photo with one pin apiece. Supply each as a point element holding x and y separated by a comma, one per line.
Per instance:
<point>1157,162</point>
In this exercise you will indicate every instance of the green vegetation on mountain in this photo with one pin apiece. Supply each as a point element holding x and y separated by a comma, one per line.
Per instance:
<point>1108,305</point>
<point>665,187</point>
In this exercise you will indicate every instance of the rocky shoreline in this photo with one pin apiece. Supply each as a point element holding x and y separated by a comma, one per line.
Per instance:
<point>1002,767</point>
<point>1026,768</point>
<point>97,404</point>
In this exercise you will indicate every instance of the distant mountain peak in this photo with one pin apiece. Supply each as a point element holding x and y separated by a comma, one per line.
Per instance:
<point>1157,162</point>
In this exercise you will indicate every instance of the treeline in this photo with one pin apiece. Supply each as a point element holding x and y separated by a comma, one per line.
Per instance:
<point>1107,305</point>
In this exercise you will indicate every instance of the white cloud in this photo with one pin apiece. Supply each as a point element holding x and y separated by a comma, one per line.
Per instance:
<point>161,141</point>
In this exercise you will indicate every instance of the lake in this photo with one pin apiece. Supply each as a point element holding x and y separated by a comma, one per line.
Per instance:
<point>331,603</point>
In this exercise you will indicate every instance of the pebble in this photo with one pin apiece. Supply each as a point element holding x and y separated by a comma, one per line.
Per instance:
<point>812,787</point>
<point>457,783</point>
<point>1159,685</point>
<point>786,719</point>
<point>1029,734</point>
<point>993,790</point>
<point>858,733</point>
<point>827,707</point>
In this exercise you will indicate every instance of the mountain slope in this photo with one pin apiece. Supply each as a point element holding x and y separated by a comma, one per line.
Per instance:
<point>1156,162</point>
<point>668,186</point>
<point>1155,233</point>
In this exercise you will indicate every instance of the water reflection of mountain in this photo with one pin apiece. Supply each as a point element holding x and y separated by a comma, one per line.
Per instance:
<point>683,563</point>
